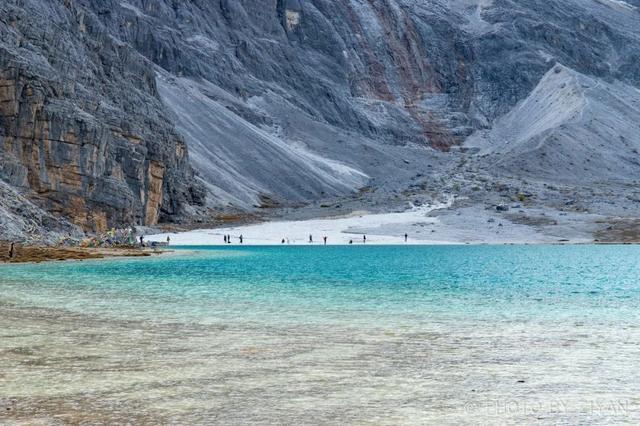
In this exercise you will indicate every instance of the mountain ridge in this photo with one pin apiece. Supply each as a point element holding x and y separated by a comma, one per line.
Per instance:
<point>162,111</point>
<point>579,127</point>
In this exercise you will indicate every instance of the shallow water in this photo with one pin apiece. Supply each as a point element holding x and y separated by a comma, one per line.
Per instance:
<point>383,335</point>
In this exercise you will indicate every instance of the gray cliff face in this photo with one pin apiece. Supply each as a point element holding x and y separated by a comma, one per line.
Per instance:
<point>84,132</point>
<point>106,106</point>
<point>446,67</point>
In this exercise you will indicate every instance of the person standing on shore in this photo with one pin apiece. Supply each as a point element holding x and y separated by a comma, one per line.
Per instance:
<point>310,239</point>
<point>325,240</point>
<point>364,239</point>
<point>241,238</point>
<point>228,239</point>
<point>168,240</point>
<point>141,240</point>
<point>12,250</point>
<point>405,237</point>
<point>225,239</point>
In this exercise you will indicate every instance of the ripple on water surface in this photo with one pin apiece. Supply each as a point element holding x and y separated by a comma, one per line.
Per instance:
<point>322,334</point>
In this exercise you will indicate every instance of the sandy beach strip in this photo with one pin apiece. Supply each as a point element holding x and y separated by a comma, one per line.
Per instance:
<point>422,225</point>
<point>35,254</point>
<point>380,229</point>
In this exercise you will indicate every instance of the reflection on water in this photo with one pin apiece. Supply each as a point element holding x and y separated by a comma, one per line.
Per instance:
<point>339,335</point>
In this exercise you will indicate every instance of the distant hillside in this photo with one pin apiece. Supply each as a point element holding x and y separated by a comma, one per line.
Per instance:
<point>143,112</point>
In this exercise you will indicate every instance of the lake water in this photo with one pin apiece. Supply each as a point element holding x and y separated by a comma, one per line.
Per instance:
<point>326,335</point>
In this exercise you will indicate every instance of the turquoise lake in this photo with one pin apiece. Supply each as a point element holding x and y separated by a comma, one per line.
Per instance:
<point>326,335</point>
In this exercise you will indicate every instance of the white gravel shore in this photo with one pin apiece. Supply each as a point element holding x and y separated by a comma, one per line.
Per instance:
<point>471,225</point>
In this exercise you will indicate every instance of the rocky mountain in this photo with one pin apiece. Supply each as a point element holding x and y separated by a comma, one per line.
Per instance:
<point>139,111</point>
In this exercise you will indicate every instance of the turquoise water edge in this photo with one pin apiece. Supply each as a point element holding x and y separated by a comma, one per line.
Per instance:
<point>383,335</point>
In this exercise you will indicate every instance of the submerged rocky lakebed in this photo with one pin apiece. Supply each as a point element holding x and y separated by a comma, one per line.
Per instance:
<point>331,335</point>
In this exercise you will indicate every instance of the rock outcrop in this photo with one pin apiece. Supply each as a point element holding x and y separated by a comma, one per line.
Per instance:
<point>84,134</point>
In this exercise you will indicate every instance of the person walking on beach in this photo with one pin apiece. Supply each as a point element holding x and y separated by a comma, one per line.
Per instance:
<point>228,239</point>
<point>405,237</point>
<point>225,239</point>
<point>364,239</point>
<point>12,250</point>
<point>241,238</point>
<point>325,240</point>
<point>142,240</point>
<point>310,239</point>
<point>283,241</point>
